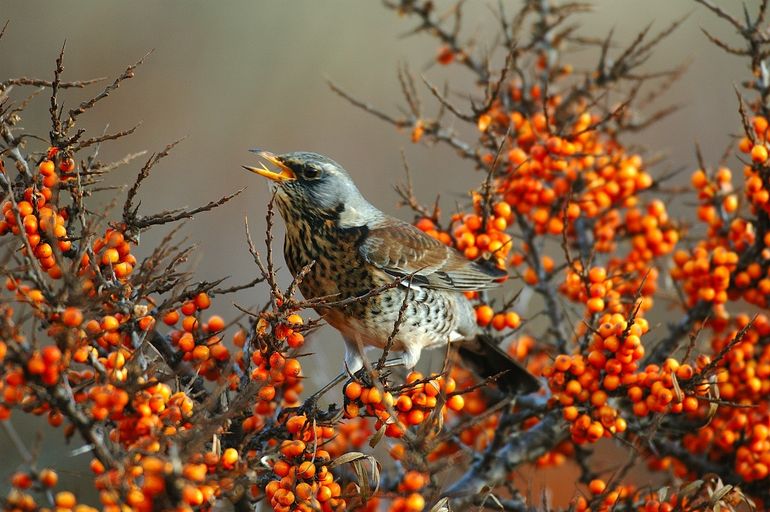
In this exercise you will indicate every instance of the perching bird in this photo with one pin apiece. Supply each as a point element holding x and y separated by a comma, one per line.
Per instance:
<point>355,248</point>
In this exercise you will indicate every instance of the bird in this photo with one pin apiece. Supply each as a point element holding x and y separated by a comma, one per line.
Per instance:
<point>352,248</point>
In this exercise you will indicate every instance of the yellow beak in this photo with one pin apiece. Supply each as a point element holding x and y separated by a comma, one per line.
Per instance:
<point>285,173</point>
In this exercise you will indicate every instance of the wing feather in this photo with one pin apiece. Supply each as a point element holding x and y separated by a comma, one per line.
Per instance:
<point>400,249</point>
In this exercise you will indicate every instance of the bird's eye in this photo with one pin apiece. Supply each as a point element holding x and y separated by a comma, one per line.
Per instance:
<point>310,173</point>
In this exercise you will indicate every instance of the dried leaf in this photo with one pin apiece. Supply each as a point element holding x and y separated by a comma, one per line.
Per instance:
<point>692,488</point>
<point>677,390</point>
<point>719,494</point>
<point>441,505</point>
<point>364,476</point>
<point>377,437</point>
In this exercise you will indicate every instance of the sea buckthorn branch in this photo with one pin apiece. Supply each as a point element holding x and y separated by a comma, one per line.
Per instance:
<point>494,468</point>
<point>408,197</point>
<point>419,126</point>
<point>89,104</point>
<point>36,82</point>
<point>678,331</point>
<point>424,11</point>
<point>545,289</point>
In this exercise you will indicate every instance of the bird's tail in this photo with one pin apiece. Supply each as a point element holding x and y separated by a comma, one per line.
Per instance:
<point>485,357</point>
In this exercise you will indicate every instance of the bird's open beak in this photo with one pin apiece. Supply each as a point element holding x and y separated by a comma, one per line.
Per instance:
<point>285,173</point>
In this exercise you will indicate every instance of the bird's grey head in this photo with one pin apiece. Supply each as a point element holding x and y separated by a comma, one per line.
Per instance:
<point>314,185</point>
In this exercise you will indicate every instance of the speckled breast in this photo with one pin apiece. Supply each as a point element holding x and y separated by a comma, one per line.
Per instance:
<point>338,269</point>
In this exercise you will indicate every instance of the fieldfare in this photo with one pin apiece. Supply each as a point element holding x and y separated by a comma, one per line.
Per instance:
<point>355,248</point>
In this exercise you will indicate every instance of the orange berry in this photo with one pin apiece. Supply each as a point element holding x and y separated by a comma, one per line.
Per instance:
<point>597,274</point>
<point>201,353</point>
<point>171,318</point>
<point>202,301</point>
<point>110,257</point>
<point>192,495</point>
<point>48,477</point>
<point>595,304</point>
<point>306,470</point>
<point>498,321</point>
<point>296,423</point>
<point>597,486</point>
<point>72,317</point>
<point>374,396</point>
<point>219,352</point>
<point>230,457</point>
<point>46,168</point>
<point>295,340</point>
<point>404,403</point>
<point>190,323</point>
<point>690,404</point>
<point>188,308</point>
<point>109,323</point>
<point>759,154</point>
<point>699,179</point>
<point>760,125</point>
<point>512,320</point>
<point>267,393</point>
<point>324,494</point>
<point>21,480</point>
<point>146,323</point>
<point>595,431</point>
<point>353,390</point>
<point>97,467</point>
<point>484,315</point>
<point>456,403</point>
<point>562,362</point>
<point>51,354</point>
<point>303,491</point>
<point>186,342</point>
<point>414,503</point>
<point>281,468</point>
<point>215,323</point>
<point>65,499</point>
<point>416,416</point>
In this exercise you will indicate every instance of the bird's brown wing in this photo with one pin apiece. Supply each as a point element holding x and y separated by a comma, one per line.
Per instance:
<point>401,250</point>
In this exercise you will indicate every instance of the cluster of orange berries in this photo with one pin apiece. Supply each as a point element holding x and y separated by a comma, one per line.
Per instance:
<point>478,434</point>
<point>44,227</point>
<point>304,482</point>
<point>543,168</point>
<point>145,480</point>
<point>20,498</point>
<point>477,239</point>
<point>629,496</point>
<point>486,316</point>
<point>113,252</point>
<point>611,369</point>
<point>610,498</point>
<point>705,274</point>
<point>414,403</point>
<point>756,188</point>
<point>41,367</point>
<point>140,418</point>
<point>410,499</point>
<point>200,342</point>
<point>489,243</point>
<point>743,377</point>
<point>281,378</point>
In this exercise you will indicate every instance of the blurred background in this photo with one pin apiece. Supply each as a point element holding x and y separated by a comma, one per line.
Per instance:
<point>230,76</point>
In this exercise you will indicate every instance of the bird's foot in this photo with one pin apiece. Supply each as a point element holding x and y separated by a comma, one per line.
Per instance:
<point>310,406</point>
<point>393,363</point>
<point>310,409</point>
